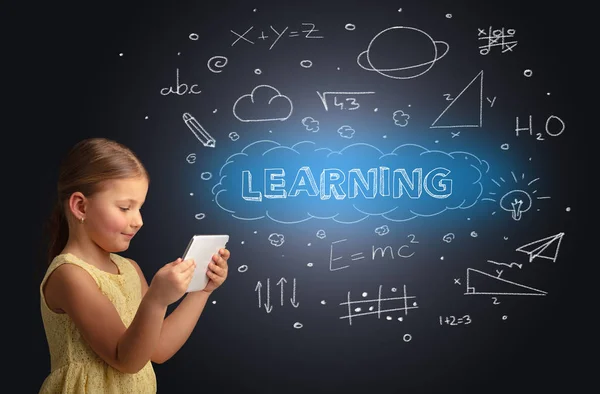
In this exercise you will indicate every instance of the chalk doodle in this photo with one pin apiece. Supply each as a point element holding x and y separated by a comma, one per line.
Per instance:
<point>375,189</point>
<point>268,305</point>
<point>348,103</point>
<point>199,131</point>
<point>375,305</point>
<point>470,86</point>
<point>310,124</point>
<point>369,61</point>
<point>276,239</point>
<point>405,251</point>
<point>254,103</point>
<point>455,321</point>
<point>496,38</point>
<point>191,158</point>
<point>308,32</point>
<point>400,118</point>
<point>539,136</point>
<point>516,201</point>
<point>180,88</point>
<point>346,131</point>
<point>482,283</point>
<point>509,265</point>
<point>545,248</point>
<point>306,63</point>
<point>216,63</point>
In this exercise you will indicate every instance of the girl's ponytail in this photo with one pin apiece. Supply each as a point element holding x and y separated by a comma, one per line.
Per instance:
<point>58,232</point>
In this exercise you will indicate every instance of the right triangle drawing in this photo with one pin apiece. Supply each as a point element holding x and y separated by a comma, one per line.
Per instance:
<point>482,283</point>
<point>467,98</point>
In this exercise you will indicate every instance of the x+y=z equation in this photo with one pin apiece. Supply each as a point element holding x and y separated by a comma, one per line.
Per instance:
<point>307,33</point>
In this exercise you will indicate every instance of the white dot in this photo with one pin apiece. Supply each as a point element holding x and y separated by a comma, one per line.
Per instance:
<point>568,209</point>
<point>242,268</point>
<point>255,232</point>
<point>308,244</point>
<point>400,318</point>
<point>323,302</point>
<point>371,308</point>
<point>215,111</point>
<point>270,131</point>
<point>178,53</point>
<point>394,290</point>
<point>548,93</point>
<point>121,54</point>
<point>448,16</point>
<point>214,302</point>
<point>297,325</point>
<point>409,105</point>
<point>504,317</point>
<point>242,242</point>
<point>399,9</point>
<point>468,218</point>
<point>357,310</point>
<point>191,194</point>
<point>437,141</point>
<point>375,110</point>
<point>257,71</point>
<point>309,264</point>
<point>385,136</point>
<point>338,68</point>
<point>528,73</point>
<point>388,317</point>
<point>364,294</point>
<point>414,304</point>
<point>146,117</point>
<point>254,10</point>
<point>442,258</point>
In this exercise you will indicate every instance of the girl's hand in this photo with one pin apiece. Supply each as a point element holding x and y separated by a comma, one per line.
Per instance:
<point>217,270</point>
<point>171,281</point>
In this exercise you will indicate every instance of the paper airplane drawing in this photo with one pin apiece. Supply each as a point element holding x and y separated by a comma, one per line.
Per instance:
<point>545,248</point>
<point>482,283</point>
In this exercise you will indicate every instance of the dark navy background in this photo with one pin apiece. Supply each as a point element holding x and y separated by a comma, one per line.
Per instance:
<point>237,347</point>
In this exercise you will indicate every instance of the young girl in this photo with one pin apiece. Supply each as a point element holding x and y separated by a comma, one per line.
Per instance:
<point>104,324</point>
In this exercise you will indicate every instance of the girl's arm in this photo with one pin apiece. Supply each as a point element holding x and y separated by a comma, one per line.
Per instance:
<point>71,289</point>
<point>180,323</point>
<point>178,326</point>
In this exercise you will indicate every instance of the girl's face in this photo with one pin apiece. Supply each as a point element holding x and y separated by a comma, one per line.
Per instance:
<point>113,214</point>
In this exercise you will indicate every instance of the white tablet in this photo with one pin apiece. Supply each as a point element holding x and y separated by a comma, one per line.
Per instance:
<point>201,248</point>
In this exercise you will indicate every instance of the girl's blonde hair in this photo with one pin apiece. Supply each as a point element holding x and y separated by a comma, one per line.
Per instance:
<point>87,164</point>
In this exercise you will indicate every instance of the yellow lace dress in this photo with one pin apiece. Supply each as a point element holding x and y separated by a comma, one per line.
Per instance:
<point>74,367</point>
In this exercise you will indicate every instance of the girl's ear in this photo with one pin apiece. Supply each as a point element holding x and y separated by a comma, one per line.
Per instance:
<point>77,205</point>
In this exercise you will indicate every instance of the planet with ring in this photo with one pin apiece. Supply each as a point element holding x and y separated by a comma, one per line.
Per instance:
<point>397,34</point>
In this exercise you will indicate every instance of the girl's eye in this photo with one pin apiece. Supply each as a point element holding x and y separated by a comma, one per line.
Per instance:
<point>124,209</point>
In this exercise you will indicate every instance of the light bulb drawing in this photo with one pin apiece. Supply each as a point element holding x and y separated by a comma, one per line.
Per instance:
<point>516,200</point>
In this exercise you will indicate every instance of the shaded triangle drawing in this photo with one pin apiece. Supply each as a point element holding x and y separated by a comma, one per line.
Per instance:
<point>475,93</point>
<point>548,245</point>
<point>482,283</point>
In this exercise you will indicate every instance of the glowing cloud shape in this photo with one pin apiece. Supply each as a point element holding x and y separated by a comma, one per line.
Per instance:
<point>251,107</point>
<point>242,188</point>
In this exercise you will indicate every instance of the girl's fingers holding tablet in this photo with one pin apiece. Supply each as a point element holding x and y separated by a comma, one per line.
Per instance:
<point>216,269</point>
<point>187,265</point>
